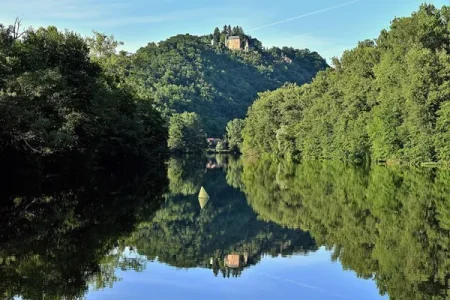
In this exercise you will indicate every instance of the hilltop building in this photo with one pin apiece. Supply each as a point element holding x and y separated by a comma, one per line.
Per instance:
<point>235,43</point>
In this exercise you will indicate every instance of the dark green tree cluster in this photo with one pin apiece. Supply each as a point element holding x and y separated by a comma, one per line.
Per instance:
<point>386,99</point>
<point>233,135</point>
<point>54,99</point>
<point>186,133</point>
<point>391,225</point>
<point>186,73</point>
<point>220,36</point>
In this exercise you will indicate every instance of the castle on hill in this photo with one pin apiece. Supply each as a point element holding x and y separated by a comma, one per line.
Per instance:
<point>232,38</point>
<point>235,42</point>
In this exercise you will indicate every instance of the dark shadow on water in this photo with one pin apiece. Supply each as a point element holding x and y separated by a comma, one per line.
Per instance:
<point>61,217</point>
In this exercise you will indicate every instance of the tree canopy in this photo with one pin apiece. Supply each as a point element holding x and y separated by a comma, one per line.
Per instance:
<point>186,133</point>
<point>386,99</point>
<point>55,99</point>
<point>185,73</point>
<point>234,134</point>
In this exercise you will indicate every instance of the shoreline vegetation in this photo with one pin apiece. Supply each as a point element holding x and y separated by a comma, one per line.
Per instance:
<point>63,94</point>
<point>386,100</point>
<point>56,100</point>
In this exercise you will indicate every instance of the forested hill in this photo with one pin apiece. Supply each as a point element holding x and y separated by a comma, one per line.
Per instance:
<point>188,73</point>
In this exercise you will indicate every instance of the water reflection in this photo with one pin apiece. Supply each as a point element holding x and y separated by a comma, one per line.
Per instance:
<point>203,197</point>
<point>389,224</point>
<point>62,234</point>
<point>223,235</point>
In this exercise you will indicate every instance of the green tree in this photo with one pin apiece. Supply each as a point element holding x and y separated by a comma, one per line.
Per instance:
<point>234,134</point>
<point>216,35</point>
<point>54,99</point>
<point>101,45</point>
<point>383,100</point>
<point>186,133</point>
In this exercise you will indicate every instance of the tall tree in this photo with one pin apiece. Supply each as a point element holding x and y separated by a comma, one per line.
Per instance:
<point>216,34</point>
<point>225,30</point>
<point>55,99</point>
<point>186,133</point>
<point>102,45</point>
<point>234,134</point>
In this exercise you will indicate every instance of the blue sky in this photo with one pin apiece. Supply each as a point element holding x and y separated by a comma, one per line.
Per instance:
<point>326,26</point>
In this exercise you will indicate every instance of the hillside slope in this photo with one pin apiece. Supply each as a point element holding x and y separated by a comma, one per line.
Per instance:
<point>187,73</point>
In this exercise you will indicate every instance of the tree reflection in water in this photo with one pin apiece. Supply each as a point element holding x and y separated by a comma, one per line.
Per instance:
<point>64,233</point>
<point>389,224</point>
<point>61,231</point>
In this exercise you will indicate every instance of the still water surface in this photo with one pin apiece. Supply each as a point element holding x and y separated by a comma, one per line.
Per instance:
<point>265,230</point>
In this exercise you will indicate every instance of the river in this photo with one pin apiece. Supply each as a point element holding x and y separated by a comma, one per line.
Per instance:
<point>260,229</point>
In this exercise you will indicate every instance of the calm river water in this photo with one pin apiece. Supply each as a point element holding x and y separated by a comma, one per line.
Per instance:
<point>224,228</point>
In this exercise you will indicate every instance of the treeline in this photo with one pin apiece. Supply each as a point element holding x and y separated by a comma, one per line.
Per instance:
<point>387,99</point>
<point>61,93</point>
<point>54,99</point>
<point>391,225</point>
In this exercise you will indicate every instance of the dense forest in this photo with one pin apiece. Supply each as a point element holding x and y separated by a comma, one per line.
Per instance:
<point>55,100</point>
<point>387,100</point>
<point>387,224</point>
<point>186,73</point>
<point>60,93</point>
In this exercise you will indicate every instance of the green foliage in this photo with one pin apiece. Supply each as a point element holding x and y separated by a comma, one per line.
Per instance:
<point>55,99</point>
<point>234,134</point>
<point>186,133</point>
<point>385,100</point>
<point>102,45</point>
<point>186,73</point>
<point>265,130</point>
<point>389,224</point>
